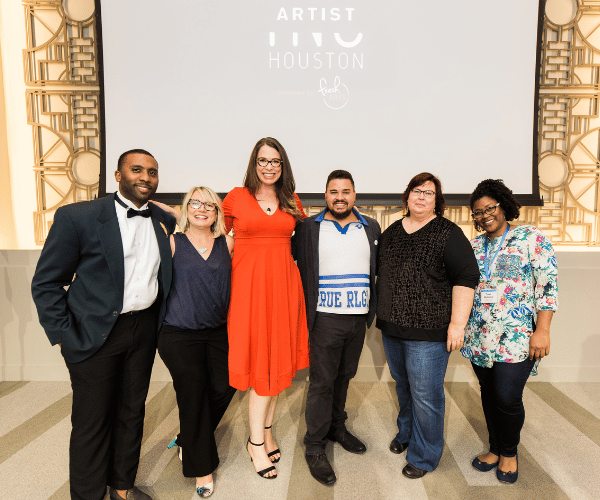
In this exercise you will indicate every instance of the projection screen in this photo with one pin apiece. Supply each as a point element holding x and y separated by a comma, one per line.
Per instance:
<point>385,89</point>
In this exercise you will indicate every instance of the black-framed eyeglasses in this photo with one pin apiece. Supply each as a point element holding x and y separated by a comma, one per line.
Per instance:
<point>275,162</point>
<point>419,192</point>
<point>478,214</point>
<point>208,206</point>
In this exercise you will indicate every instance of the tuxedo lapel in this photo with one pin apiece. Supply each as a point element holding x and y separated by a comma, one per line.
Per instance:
<point>164,248</point>
<point>109,235</point>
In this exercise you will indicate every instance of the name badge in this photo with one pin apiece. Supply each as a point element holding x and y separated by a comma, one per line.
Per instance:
<point>489,295</point>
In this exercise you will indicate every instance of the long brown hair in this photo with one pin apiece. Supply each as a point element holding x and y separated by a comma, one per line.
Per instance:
<point>285,185</point>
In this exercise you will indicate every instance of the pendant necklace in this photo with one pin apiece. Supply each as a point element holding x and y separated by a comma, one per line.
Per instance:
<point>201,250</point>
<point>267,210</point>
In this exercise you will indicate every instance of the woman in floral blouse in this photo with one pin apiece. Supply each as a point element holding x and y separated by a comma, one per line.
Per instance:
<point>508,331</point>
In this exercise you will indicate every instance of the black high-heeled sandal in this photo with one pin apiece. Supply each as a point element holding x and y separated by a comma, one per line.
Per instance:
<point>264,472</point>
<point>274,452</point>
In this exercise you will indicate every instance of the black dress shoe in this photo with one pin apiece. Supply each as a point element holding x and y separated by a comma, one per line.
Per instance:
<point>320,468</point>
<point>132,494</point>
<point>349,442</point>
<point>411,472</point>
<point>396,447</point>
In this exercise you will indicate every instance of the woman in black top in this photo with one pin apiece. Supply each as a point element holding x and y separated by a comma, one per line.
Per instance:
<point>427,276</point>
<point>193,339</point>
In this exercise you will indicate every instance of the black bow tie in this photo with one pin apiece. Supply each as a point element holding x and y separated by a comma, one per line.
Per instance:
<point>142,213</point>
<point>130,211</point>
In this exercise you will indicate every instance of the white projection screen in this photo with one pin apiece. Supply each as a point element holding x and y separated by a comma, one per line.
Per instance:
<point>383,88</point>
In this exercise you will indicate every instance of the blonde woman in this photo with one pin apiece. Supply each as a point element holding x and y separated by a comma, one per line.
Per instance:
<point>193,340</point>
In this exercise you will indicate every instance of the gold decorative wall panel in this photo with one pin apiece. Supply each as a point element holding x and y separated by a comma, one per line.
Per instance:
<point>61,76</point>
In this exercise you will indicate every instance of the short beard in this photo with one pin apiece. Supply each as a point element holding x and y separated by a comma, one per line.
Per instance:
<point>340,215</point>
<point>129,193</point>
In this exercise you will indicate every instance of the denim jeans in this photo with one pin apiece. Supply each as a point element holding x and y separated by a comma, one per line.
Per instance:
<point>502,400</point>
<point>418,367</point>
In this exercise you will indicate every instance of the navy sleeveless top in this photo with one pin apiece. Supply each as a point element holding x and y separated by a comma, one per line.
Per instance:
<point>199,296</point>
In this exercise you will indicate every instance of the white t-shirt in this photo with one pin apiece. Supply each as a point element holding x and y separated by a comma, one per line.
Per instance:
<point>344,266</point>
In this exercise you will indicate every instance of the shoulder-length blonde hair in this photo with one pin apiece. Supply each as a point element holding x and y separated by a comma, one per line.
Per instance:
<point>218,226</point>
<point>285,185</point>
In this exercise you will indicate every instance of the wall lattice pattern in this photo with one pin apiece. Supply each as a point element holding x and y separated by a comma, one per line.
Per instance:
<point>61,77</point>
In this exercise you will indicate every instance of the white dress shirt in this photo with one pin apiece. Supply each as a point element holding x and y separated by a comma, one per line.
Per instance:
<point>142,258</point>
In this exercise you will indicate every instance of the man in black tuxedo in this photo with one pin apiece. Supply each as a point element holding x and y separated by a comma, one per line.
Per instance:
<point>100,288</point>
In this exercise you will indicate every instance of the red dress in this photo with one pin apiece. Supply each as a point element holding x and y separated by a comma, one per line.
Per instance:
<point>268,333</point>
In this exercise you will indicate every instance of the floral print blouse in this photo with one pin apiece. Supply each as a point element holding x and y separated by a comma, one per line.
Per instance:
<point>525,277</point>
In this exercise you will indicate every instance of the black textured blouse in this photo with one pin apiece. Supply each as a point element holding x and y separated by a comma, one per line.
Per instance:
<point>416,273</point>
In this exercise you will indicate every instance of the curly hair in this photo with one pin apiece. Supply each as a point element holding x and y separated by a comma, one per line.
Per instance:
<point>496,190</point>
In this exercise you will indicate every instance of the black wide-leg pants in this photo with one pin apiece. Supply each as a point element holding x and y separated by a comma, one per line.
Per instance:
<point>109,397</point>
<point>198,365</point>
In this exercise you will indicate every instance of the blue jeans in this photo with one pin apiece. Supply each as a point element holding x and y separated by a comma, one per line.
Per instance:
<point>418,367</point>
<point>502,388</point>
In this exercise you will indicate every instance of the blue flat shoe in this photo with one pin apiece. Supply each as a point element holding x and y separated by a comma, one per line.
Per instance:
<point>508,477</point>
<point>483,466</point>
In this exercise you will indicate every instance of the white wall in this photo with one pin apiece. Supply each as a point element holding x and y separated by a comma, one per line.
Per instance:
<point>26,354</point>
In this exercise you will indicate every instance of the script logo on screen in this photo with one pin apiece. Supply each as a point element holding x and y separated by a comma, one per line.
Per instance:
<point>335,97</point>
<point>321,50</point>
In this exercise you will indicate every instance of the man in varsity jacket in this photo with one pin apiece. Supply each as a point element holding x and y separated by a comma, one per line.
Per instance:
<point>336,252</point>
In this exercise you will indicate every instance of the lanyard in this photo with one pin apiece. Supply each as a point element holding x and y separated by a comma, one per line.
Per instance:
<point>487,266</point>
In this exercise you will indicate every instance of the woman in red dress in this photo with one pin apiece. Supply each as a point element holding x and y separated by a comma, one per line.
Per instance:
<point>268,334</point>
